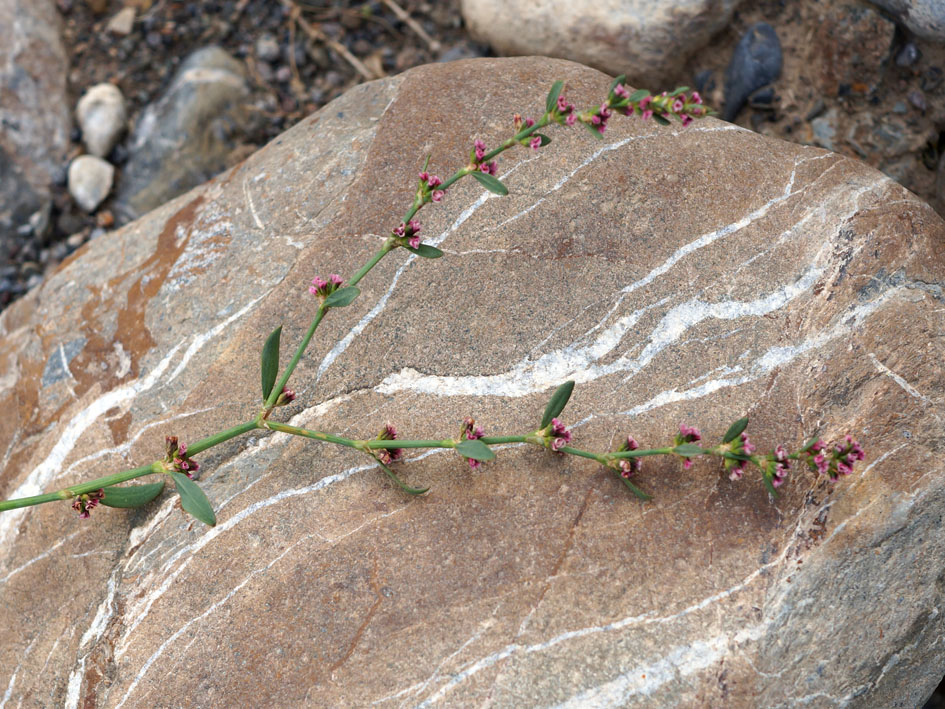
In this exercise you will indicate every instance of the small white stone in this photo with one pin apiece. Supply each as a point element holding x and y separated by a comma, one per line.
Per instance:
<point>102,117</point>
<point>90,181</point>
<point>123,22</point>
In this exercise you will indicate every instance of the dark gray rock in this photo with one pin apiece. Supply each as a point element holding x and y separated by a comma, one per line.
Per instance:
<point>184,138</point>
<point>755,63</point>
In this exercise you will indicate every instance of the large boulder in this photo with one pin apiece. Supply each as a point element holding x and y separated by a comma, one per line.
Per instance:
<point>648,41</point>
<point>678,275</point>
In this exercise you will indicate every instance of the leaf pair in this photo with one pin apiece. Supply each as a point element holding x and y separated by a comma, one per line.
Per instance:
<point>192,498</point>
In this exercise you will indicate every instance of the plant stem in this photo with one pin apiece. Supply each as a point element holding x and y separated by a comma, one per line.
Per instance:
<point>218,438</point>
<point>91,486</point>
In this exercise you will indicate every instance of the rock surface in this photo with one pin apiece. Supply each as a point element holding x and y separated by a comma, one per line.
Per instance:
<point>90,181</point>
<point>34,111</point>
<point>102,116</point>
<point>648,41</point>
<point>924,17</point>
<point>185,137</point>
<point>736,274</point>
<point>756,62</point>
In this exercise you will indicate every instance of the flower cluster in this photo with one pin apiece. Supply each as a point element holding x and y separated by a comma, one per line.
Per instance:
<point>776,466</point>
<point>472,432</point>
<point>629,466</point>
<point>558,435</point>
<point>687,434</point>
<point>176,458</point>
<point>388,455</point>
<point>287,396</point>
<point>564,112</point>
<point>428,191</point>
<point>478,155</point>
<point>84,504</point>
<point>409,232</point>
<point>322,288</point>
<point>740,446</point>
<point>834,460</point>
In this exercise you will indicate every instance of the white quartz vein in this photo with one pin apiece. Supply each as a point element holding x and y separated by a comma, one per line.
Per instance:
<point>9,692</point>
<point>580,362</point>
<point>39,557</point>
<point>906,386</point>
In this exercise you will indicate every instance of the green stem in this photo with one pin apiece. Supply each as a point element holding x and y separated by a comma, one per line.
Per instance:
<point>640,453</point>
<point>218,438</point>
<point>69,492</point>
<point>306,433</point>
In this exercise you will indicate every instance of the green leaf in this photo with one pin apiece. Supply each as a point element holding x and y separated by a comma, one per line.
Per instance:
<point>193,499</point>
<point>812,441</point>
<point>635,490</point>
<point>342,297</point>
<point>131,495</point>
<point>552,101</point>
<point>679,90</point>
<point>400,483</point>
<point>613,84</point>
<point>735,430</point>
<point>594,131</point>
<point>688,450</point>
<point>270,361</point>
<point>659,119</point>
<point>544,139</point>
<point>557,402</point>
<point>771,488</point>
<point>475,449</point>
<point>639,95</point>
<point>425,251</point>
<point>491,183</point>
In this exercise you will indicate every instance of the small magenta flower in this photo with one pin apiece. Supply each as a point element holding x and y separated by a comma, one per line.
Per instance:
<point>388,455</point>
<point>560,436</point>
<point>565,109</point>
<point>644,106</point>
<point>490,168</point>
<point>629,466</point>
<point>835,460</point>
<point>778,466</point>
<point>687,434</point>
<point>428,191</point>
<point>408,231</point>
<point>620,91</point>
<point>535,142</point>
<point>472,432</point>
<point>176,458</point>
<point>322,288</point>
<point>479,148</point>
<point>740,446</point>
<point>85,503</point>
<point>287,396</point>
<point>679,104</point>
<point>571,119</point>
<point>520,122</point>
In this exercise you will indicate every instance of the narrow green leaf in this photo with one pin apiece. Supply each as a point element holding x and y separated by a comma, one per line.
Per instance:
<point>639,95</point>
<point>193,499</point>
<point>635,490</point>
<point>544,139</point>
<point>342,297</point>
<point>425,251</point>
<point>771,488</point>
<point>491,183</point>
<point>270,361</point>
<point>688,449</point>
<point>806,448</point>
<point>400,483</point>
<point>557,402</point>
<point>679,90</point>
<point>735,430</point>
<point>475,449</point>
<point>596,133</point>
<point>659,119</point>
<point>613,84</point>
<point>131,495</point>
<point>552,101</point>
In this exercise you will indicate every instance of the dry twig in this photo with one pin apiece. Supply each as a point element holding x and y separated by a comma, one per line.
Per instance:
<point>405,17</point>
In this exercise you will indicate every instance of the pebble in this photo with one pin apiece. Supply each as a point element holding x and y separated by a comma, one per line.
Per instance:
<point>908,55</point>
<point>755,63</point>
<point>267,48</point>
<point>102,117</point>
<point>123,22</point>
<point>90,181</point>
<point>917,99</point>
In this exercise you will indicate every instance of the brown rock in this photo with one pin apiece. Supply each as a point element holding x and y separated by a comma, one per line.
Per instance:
<point>678,275</point>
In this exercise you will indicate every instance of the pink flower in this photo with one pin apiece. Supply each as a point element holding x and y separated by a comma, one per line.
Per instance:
<point>388,455</point>
<point>85,503</point>
<point>571,119</point>
<point>629,466</point>
<point>480,149</point>
<point>696,98</point>
<point>490,168</point>
<point>535,142</point>
<point>621,91</point>
<point>437,195</point>
<point>646,114</point>
<point>686,120</point>
<point>679,103</point>
<point>176,458</point>
<point>472,432</point>
<point>434,181</point>
<point>322,288</point>
<point>414,242</point>
<point>560,435</point>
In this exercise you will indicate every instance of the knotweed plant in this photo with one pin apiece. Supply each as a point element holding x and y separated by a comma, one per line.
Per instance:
<point>736,453</point>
